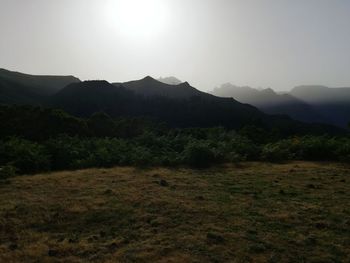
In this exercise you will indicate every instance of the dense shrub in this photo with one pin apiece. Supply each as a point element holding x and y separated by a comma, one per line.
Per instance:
<point>7,171</point>
<point>243,148</point>
<point>73,152</point>
<point>177,147</point>
<point>198,154</point>
<point>26,156</point>
<point>276,152</point>
<point>317,148</point>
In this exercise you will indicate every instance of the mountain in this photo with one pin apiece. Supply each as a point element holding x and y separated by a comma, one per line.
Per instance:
<point>257,97</point>
<point>333,103</point>
<point>16,93</point>
<point>88,97</point>
<point>149,87</point>
<point>42,85</point>
<point>170,80</point>
<point>321,95</point>
<point>178,106</point>
<point>271,102</point>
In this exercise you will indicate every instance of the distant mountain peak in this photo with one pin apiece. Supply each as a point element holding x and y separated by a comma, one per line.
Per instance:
<point>94,82</point>
<point>268,91</point>
<point>185,84</point>
<point>151,87</point>
<point>170,80</point>
<point>148,78</point>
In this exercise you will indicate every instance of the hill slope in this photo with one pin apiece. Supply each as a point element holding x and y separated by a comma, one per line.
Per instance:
<point>333,103</point>
<point>188,107</point>
<point>149,87</point>
<point>321,94</point>
<point>306,103</point>
<point>44,85</point>
<point>16,93</point>
<point>181,106</point>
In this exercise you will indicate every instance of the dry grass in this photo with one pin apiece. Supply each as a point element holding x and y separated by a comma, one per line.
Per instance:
<point>254,212</point>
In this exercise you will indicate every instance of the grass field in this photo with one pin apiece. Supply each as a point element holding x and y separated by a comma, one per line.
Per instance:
<point>252,212</point>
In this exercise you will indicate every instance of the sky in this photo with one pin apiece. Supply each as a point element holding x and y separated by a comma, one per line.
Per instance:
<point>260,43</point>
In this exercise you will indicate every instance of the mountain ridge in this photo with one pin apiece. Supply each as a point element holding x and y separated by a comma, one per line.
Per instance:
<point>180,105</point>
<point>44,84</point>
<point>304,103</point>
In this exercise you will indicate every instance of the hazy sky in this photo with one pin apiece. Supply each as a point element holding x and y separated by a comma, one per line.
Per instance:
<point>261,43</point>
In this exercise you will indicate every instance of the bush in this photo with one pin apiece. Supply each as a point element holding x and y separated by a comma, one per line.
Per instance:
<point>320,148</point>
<point>26,156</point>
<point>194,147</point>
<point>276,152</point>
<point>243,148</point>
<point>7,171</point>
<point>198,154</point>
<point>76,153</point>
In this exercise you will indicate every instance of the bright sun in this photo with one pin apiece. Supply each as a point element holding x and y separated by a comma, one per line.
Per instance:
<point>137,18</point>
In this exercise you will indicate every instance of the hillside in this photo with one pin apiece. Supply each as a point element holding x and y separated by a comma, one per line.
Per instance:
<point>16,93</point>
<point>333,103</point>
<point>179,106</point>
<point>305,103</point>
<point>260,98</point>
<point>43,85</point>
<point>150,87</point>
<point>321,94</point>
<point>251,212</point>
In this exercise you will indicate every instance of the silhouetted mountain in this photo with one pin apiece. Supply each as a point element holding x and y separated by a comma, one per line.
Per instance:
<point>88,97</point>
<point>333,103</point>
<point>270,102</point>
<point>150,87</point>
<point>16,93</point>
<point>321,94</point>
<point>44,85</point>
<point>170,80</point>
<point>145,98</point>
<point>199,110</point>
<point>178,105</point>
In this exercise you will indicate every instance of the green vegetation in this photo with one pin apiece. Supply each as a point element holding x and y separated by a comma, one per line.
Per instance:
<point>172,149</point>
<point>248,212</point>
<point>38,140</point>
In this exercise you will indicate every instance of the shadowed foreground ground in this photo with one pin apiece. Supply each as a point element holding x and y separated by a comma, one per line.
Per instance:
<point>253,212</point>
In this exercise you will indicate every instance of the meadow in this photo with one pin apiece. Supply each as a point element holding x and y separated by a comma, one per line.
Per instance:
<point>243,212</point>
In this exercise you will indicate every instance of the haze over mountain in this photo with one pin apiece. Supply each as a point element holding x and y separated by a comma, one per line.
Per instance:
<point>332,103</point>
<point>178,105</point>
<point>170,80</point>
<point>305,103</point>
<point>321,94</point>
<point>188,108</point>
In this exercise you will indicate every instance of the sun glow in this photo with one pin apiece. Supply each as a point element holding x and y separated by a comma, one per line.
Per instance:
<point>137,18</point>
